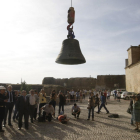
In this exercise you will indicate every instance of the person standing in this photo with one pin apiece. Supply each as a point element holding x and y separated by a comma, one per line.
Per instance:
<point>95,92</point>
<point>33,100</point>
<point>97,101</point>
<point>115,95</point>
<point>9,105</point>
<point>77,95</point>
<point>105,94</point>
<point>103,101</point>
<point>23,107</point>
<point>68,97</point>
<point>3,100</point>
<point>136,112</point>
<point>36,105</point>
<point>108,95</point>
<point>81,96</point>
<point>72,95</point>
<point>131,109</point>
<point>15,116</point>
<point>42,99</point>
<point>53,99</point>
<point>61,101</point>
<point>91,106</point>
<point>118,96</point>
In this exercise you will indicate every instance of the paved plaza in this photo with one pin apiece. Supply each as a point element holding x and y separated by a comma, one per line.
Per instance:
<point>103,128</point>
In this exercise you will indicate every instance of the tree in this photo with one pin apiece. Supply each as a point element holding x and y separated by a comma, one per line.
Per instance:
<point>26,87</point>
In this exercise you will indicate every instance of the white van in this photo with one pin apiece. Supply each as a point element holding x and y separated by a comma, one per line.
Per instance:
<point>126,95</point>
<point>120,90</point>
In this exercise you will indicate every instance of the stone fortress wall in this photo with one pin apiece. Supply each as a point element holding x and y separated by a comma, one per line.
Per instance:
<point>102,82</point>
<point>132,69</point>
<point>88,83</point>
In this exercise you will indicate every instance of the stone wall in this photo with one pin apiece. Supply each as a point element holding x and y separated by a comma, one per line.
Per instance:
<point>108,81</point>
<point>102,82</point>
<point>76,83</point>
<point>133,78</point>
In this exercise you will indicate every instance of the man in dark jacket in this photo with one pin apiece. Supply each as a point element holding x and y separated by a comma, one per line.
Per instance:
<point>103,101</point>
<point>91,106</point>
<point>3,100</point>
<point>9,105</point>
<point>15,116</point>
<point>61,101</point>
<point>97,101</point>
<point>23,109</point>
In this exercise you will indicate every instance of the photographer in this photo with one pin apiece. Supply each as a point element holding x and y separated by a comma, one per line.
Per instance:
<point>42,99</point>
<point>48,111</point>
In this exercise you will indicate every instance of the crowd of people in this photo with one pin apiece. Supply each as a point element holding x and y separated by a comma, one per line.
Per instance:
<point>36,107</point>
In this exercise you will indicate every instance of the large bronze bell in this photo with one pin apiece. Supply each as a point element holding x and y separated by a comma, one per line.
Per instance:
<point>70,53</point>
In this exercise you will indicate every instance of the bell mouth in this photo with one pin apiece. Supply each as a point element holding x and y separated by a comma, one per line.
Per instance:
<point>70,61</point>
<point>70,53</point>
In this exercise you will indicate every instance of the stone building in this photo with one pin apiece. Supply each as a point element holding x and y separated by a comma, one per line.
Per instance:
<point>132,69</point>
<point>110,82</point>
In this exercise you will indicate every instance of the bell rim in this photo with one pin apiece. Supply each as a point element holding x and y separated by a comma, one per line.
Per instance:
<point>67,61</point>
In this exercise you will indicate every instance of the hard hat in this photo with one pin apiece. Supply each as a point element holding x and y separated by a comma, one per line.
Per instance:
<point>2,87</point>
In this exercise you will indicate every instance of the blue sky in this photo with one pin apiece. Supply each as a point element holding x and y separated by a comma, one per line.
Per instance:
<point>32,32</point>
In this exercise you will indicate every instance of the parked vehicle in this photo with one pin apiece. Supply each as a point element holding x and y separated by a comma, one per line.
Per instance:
<point>126,95</point>
<point>120,90</point>
<point>112,92</point>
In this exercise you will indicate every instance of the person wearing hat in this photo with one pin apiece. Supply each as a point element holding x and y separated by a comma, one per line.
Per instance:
<point>3,100</point>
